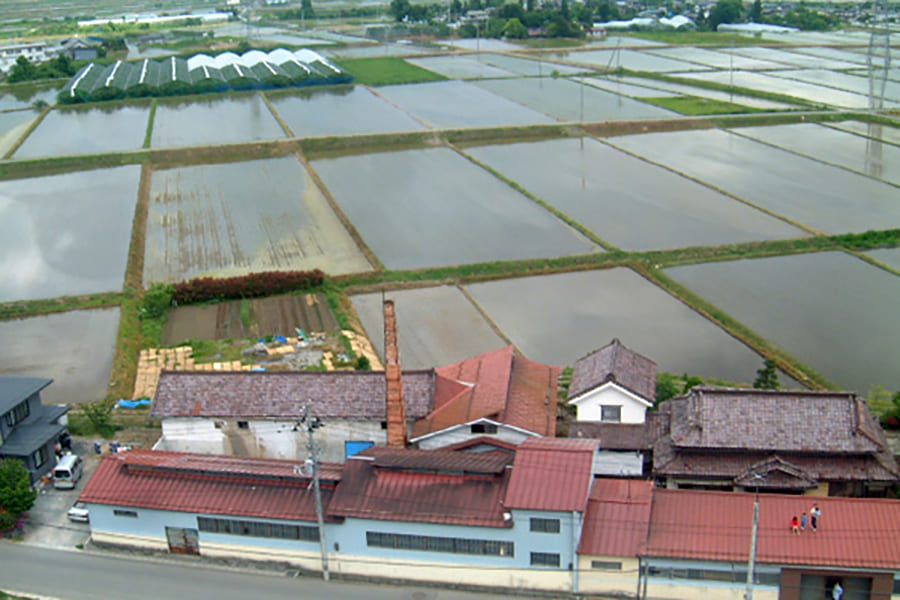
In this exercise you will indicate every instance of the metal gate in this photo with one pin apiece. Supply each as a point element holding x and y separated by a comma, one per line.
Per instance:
<point>182,541</point>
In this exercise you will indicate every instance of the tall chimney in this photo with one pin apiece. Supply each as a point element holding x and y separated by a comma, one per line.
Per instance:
<point>396,405</point>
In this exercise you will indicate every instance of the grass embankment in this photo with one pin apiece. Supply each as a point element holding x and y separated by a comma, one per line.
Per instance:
<point>32,308</point>
<point>386,70</point>
<point>696,38</point>
<point>37,121</point>
<point>66,164</point>
<point>148,136</point>
<point>692,105</point>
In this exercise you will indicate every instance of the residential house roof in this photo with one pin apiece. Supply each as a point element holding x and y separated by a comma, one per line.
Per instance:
<point>27,438</point>
<point>433,486</point>
<point>483,443</point>
<point>199,483</point>
<point>774,420</point>
<point>551,474</point>
<point>614,363</point>
<point>617,519</point>
<point>15,389</point>
<point>498,385</point>
<point>623,436</point>
<point>703,525</point>
<point>285,394</point>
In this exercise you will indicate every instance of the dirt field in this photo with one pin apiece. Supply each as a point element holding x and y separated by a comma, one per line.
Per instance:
<point>276,315</point>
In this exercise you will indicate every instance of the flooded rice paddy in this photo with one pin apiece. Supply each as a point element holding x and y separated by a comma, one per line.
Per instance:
<point>75,349</point>
<point>832,311</point>
<point>868,157</point>
<point>627,202</point>
<point>714,58</point>
<point>340,110</point>
<point>634,60</point>
<point>875,131</point>
<point>823,197</point>
<point>65,235</point>
<point>568,315</point>
<point>435,326</point>
<point>216,120</point>
<point>460,67</point>
<point>888,256</point>
<point>427,208</point>
<point>232,219</point>
<point>93,130</point>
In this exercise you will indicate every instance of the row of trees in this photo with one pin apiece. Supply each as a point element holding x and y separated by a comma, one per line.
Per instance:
<point>801,17</point>
<point>60,67</point>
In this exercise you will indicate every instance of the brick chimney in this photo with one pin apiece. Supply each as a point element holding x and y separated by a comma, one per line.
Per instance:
<point>396,405</point>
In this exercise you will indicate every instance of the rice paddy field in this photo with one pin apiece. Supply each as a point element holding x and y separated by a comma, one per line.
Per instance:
<point>532,198</point>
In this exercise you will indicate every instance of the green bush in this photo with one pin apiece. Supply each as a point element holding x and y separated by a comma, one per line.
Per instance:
<point>157,300</point>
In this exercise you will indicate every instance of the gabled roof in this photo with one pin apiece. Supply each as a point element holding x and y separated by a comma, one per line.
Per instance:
<point>432,486</point>
<point>499,385</point>
<point>551,474</point>
<point>617,519</point>
<point>205,484</point>
<point>703,525</point>
<point>482,443</point>
<point>14,389</point>
<point>274,394</point>
<point>774,420</point>
<point>615,363</point>
<point>776,472</point>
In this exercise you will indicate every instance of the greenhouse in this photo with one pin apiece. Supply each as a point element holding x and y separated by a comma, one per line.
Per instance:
<point>201,73</point>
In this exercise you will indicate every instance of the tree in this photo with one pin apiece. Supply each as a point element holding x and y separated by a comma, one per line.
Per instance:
<point>564,9</point>
<point>666,387</point>
<point>23,70</point>
<point>16,493</point>
<point>756,11</point>
<point>362,363</point>
<point>767,376</point>
<point>529,5</point>
<point>511,10</point>
<point>456,8</point>
<point>515,30</point>
<point>690,381</point>
<point>725,11</point>
<point>306,9</point>
<point>399,9</point>
<point>100,415</point>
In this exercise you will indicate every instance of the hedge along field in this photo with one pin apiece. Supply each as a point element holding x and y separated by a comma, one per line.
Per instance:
<point>200,223</point>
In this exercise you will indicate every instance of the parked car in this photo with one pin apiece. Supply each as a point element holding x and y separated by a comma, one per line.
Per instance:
<point>78,512</point>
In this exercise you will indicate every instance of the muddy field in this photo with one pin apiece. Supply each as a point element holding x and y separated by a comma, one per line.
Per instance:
<point>277,315</point>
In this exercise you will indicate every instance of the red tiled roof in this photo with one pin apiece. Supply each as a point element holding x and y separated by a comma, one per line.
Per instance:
<point>614,362</point>
<point>369,491</point>
<point>336,394</point>
<point>551,474</point>
<point>475,444</point>
<point>853,532</point>
<point>498,385</point>
<point>617,518</point>
<point>205,484</point>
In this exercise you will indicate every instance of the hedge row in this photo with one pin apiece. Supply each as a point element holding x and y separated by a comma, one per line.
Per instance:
<point>204,289</point>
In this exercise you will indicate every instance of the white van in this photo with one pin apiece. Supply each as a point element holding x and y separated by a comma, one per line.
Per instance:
<point>67,472</point>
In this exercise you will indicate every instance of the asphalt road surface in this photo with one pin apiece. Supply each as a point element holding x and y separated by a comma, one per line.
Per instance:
<point>90,575</point>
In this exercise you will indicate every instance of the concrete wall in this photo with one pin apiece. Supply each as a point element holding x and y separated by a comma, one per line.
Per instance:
<point>607,462</point>
<point>679,588</point>
<point>462,434</point>
<point>588,405</point>
<point>608,581</point>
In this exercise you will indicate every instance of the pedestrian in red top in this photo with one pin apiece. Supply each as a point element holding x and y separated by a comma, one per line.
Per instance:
<point>795,525</point>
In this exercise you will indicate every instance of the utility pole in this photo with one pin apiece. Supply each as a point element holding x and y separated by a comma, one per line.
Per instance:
<point>310,425</point>
<point>751,565</point>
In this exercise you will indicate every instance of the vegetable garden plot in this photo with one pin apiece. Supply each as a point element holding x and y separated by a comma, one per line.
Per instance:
<point>831,310</point>
<point>826,198</point>
<point>435,326</point>
<point>568,315</point>
<point>876,159</point>
<point>626,201</point>
<point>562,98</point>
<point>340,110</point>
<point>209,121</point>
<point>422,208</point>
<point>75,349</point>
<point>94,130</point>
<point>64,235</point>
<point>448,104</point>
<point>238,218</point>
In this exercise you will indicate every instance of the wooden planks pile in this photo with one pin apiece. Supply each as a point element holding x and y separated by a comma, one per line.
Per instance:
<point>153,360</point>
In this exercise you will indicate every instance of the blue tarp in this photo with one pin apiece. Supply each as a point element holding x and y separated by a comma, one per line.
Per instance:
<point>134,403</point>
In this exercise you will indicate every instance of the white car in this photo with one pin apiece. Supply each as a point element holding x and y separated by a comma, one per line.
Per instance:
<point>78,512</point>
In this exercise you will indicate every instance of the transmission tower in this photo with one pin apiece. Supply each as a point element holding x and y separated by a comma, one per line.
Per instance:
<point>878,61</point>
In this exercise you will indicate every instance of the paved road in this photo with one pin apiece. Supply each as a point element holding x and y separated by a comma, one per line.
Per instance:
<point>88,575</point>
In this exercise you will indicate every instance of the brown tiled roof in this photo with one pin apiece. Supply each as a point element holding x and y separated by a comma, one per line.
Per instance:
<point>498,385</point>
<point>273,394</point>
<point>622,436</point>
<point>614,362</point>
<point>852,533</point>
<point>552,474</point>
<point>617,519</point>
<point>774,420</point>
<point>483,463</point>
<point>216,485</point>
<point>370,491</point>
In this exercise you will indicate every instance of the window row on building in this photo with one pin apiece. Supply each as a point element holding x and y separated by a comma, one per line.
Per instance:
<point>307,533</point>
<point>429,543</point>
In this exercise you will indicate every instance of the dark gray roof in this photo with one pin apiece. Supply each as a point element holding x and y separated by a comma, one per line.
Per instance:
<point>774,420</point>
<point>284,394</point>
<point>14,389</point>
<point>623,436</point>
<point>25,439</point>
<point>614,362</point>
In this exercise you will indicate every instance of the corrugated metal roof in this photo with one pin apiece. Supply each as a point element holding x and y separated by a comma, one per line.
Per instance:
<point>486,463</point>
<point>853,532</point>
<point>370,492</point>
<point>551,474</point>
<point>617,518</point>
<point>226,465</point>
<point>614,362</point>
<point>239,493</point>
